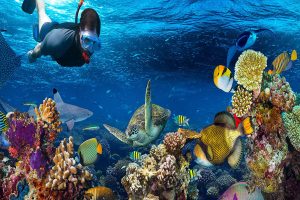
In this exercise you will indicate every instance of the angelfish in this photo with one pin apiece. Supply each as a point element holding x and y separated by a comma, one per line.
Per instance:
<point>244,41</point>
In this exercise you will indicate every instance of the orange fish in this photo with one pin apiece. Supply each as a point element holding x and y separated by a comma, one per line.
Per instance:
<point>100,193</point>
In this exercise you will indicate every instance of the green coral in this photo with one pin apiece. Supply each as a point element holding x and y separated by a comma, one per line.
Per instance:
<point>292,124</point>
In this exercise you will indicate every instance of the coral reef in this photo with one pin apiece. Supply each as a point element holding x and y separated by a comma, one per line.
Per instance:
<point>66,171</point>
<point>292,124</point>
<point>282,95</point>
<point>225,181</point>
<point>160,174</point>
<point>174,142</point>
<point>249,69</point>
<point>212,192</point>
<point>241,101</point>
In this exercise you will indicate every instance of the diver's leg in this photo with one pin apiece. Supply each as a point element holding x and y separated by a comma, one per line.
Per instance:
<point>43,17</point>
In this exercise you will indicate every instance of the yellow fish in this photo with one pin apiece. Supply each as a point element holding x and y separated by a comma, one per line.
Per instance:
<point>88,151</point>
<point>223,79</point>
<point>192,174</point>
<point>283,62</point>
<point>135,155</point>
<point>100,193</point>
<point>181,120</point>
<point>220,141</point>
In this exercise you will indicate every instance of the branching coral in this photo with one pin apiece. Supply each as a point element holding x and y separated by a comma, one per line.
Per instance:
<point>167,175</point>
<point>265,164</point>
<point>292,124</point>
<point>241,101</point>
<point>66,171</point>
<point>174,142</point>
<point>249,69</point>
<point>282,95</point>
<point>159,174</point>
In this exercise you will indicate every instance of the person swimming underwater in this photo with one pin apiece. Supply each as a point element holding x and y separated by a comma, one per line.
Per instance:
<point>69,44</point>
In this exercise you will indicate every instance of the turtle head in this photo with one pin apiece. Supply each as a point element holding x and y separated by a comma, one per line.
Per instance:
<point>132,131</point>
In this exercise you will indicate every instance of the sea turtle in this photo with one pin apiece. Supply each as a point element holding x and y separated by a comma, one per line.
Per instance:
<point>147,122</point>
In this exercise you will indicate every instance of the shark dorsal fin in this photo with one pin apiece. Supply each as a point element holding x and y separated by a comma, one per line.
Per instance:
<point>57,97</point>
<point>148,108</point>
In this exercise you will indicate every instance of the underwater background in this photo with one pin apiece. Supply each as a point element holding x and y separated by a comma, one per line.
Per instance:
<point>174,43</point>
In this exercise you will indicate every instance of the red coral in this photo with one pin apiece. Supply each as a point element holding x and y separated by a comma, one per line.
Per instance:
<point>13,152</point>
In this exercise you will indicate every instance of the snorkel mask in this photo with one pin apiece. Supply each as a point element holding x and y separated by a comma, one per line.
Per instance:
<point>90,41</point>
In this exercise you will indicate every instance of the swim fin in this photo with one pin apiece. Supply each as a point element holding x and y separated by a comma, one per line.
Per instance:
<point>232,50</point>
<point>28,6</point>
<point>35,32</point>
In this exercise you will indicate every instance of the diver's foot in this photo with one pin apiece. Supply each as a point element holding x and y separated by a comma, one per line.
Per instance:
<point>30,56</point>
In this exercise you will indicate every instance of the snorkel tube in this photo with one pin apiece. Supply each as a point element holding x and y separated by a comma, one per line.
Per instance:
<point>77,11</point>
<point>85,55</point>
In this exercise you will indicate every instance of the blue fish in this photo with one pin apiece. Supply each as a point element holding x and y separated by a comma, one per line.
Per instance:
<point>9,61</point>
<point>244,41</point>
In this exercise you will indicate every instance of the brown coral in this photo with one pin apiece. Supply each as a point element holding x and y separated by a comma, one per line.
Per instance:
<point>282,95</point>
<point>249,69</point>
<point>241,101</point>
<point>174,142</point>
<point>159,174</point>
<point>66,170</point>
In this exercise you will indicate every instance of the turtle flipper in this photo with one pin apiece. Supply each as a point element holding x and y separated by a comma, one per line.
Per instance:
<point>148,109</point>
<point>117,133</point>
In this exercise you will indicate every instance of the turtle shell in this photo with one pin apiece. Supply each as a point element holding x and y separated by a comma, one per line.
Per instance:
<point>160,117</point>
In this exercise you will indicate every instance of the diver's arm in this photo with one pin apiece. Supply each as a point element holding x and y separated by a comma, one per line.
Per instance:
<point>35,53</point>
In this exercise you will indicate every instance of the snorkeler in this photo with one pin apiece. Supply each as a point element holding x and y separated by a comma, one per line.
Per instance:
<point>69,44</point>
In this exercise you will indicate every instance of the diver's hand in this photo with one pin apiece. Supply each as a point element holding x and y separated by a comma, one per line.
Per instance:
<point>31,57</point>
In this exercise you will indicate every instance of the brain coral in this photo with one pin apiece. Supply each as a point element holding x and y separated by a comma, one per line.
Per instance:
<point>249,69</point>
<point>291,122</point>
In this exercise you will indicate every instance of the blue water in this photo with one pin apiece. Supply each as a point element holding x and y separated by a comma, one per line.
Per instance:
<point>176,44</point>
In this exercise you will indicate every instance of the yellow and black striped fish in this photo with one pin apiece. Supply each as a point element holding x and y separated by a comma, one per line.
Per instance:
<point>284,62</point>
<point>181,120</point>
<point>192,174</point>
<point>3,122</point>
<point>135,155</point>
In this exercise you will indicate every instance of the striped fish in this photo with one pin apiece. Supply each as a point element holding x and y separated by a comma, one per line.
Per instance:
<point>192,174</point>
<point>284,62</point>
<point>181,120</point>
<point>3,122</point>
<point>88,151</point>
<point>135,155</point>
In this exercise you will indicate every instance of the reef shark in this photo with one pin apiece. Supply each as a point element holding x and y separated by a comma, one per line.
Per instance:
<point>5,107</point>
<point>68,113</point>
<point>9,61</point>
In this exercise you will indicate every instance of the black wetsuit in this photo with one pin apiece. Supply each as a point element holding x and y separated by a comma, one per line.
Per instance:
<point>62,43</point>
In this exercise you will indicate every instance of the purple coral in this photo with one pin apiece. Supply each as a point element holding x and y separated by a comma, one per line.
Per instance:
<point>38,162</point>
<point>21,133</point>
